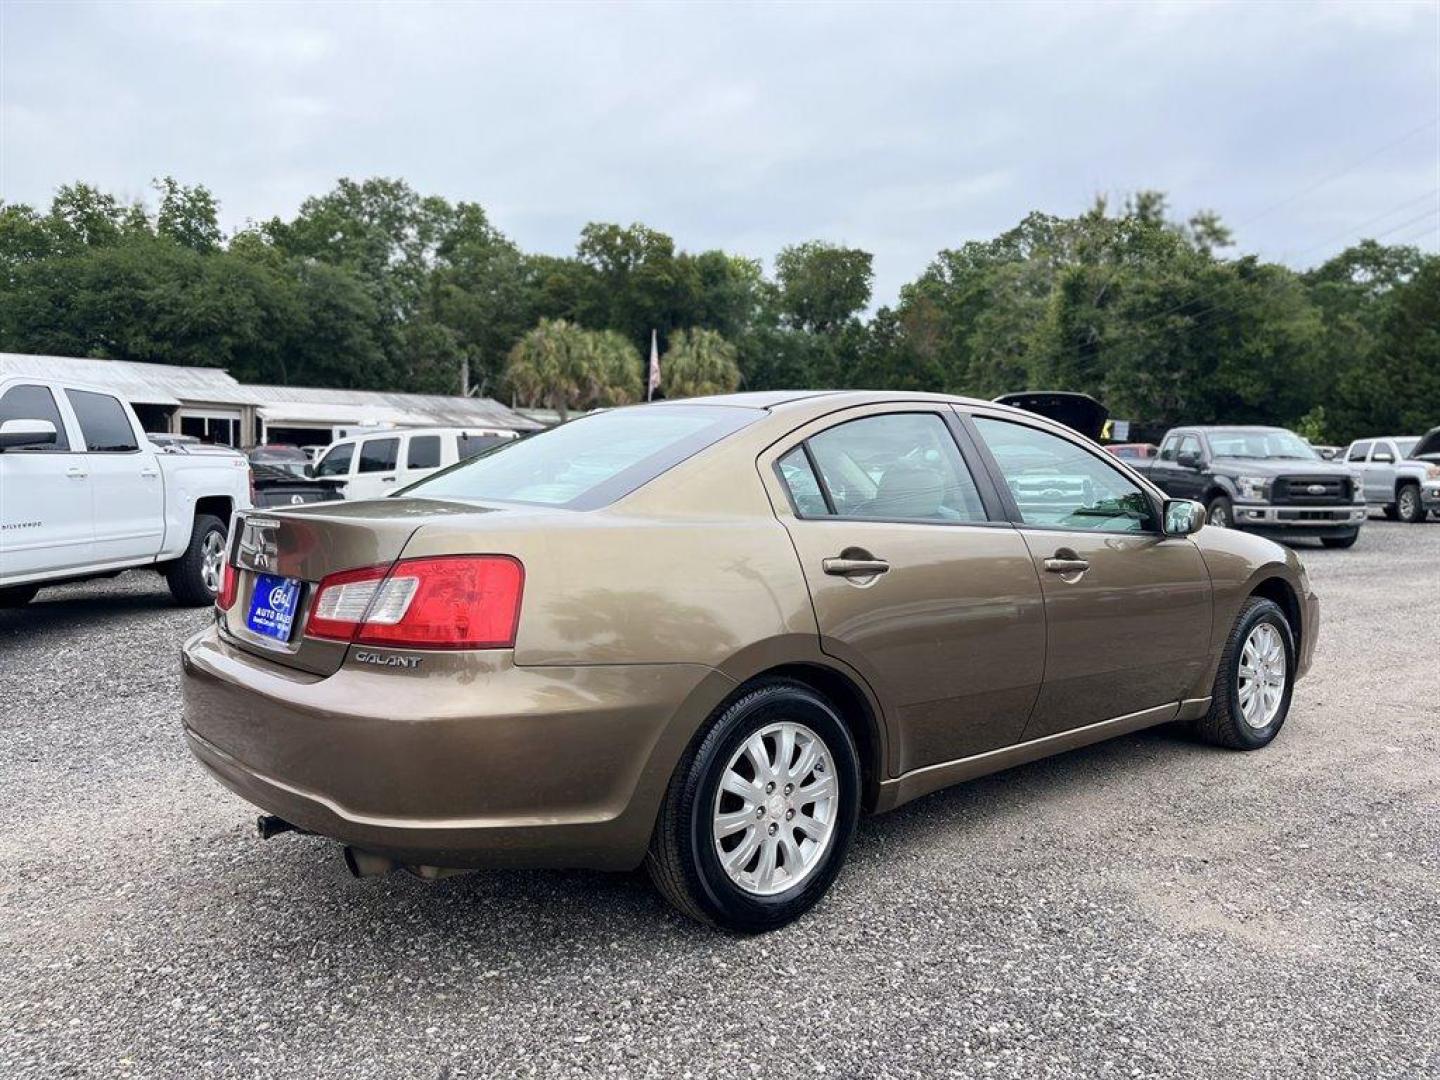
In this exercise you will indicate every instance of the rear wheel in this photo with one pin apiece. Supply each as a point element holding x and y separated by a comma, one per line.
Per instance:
<point>1220,511</point>
<point>1408,507</point>
<point>1251,696</point>
<point>18,595</point>
<point>1346,541</point>
<point>194,578</point>
<point>760,812</point>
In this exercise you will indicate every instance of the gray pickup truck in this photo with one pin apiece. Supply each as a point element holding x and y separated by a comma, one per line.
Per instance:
<point>1401,473</point>
<point>1262,479</point>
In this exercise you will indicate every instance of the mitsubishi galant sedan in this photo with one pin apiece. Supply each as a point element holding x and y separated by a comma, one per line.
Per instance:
<point>707,635</point>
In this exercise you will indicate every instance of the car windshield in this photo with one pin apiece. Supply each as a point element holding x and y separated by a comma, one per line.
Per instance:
<point>588,462</point>
<point>1261,444</point>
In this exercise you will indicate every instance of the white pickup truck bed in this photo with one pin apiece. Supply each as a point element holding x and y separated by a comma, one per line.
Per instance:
<point>98,496</point>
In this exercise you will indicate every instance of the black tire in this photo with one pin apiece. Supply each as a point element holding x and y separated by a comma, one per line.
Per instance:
<point>1346,541</point>
<point>1220,512</point>
<point>1391,512</point>
<point>1225,723</point>
<point>682,860</point>
<point>1408,507</point>
<point>186,575</point>
<point>18,595</point>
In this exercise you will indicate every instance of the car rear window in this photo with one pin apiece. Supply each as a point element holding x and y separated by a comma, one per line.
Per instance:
<point>589,462</point>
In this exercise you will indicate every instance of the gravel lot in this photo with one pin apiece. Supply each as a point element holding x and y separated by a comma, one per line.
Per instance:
<point>1147,907</point>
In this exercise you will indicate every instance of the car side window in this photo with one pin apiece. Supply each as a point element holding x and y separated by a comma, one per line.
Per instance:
<point>1189,444</point>
<point>103,423</point>
<point>1058,484</point>
<point>1358,451</point>
<point>1168,447</point>
<point>470,446</point>
<point>896,467</point>
<point>27,402</point>
<point>423,452</point>
<point>802,483</point>
<point>1383,453</point>
<point>378,455</point>
<point>337,461</point>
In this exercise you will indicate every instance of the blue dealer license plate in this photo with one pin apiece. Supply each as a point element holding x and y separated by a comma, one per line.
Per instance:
<point>273,605</point>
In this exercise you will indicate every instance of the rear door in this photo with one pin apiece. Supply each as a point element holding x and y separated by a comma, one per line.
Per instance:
<point>1380,472</point>
<point>1127,608</point>
<point>376,471</point>
<point>127,494</point>
<point>917,583</point>
<point>46,520</point>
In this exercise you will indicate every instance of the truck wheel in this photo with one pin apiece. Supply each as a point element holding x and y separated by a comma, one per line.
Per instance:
<point>1348,540</point>
<point>1251,696</point>
<point>194,578</point>
<point>760,811</point>
<point>1220,511</point>
<point>1408,507</point>
<point>17,595</point>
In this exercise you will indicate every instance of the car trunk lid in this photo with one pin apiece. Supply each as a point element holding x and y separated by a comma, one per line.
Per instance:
<point>279,559</point>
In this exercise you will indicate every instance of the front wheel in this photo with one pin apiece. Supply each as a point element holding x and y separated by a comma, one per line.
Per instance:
<point>1251,696</point>
<point>1408,506</point>
<point>1346,541</point>
<point>1220,512</point>
<point>760,812</point>
<point>194,578</point>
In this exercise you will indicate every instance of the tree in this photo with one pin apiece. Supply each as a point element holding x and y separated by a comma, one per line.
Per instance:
<point>699,362</point>
<point>188,215</point>
<point>613,369</point>
<point>822,286</point>
<point>552,366</point>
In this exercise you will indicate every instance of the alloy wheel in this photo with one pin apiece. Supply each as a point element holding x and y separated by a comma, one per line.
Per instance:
<point>1262,676</point>
<point>1218,516</point>
<point>776,809</point>
<point>212,561</point>
<point>1408,501</point>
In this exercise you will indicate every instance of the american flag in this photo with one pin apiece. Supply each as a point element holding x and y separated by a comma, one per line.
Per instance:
<point>654,383</point>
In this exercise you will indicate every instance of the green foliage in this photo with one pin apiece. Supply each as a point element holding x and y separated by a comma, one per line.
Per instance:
<point>699,362</point>
<point>372,284</point>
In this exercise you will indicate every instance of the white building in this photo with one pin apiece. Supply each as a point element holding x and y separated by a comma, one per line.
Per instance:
<point>208,403</point>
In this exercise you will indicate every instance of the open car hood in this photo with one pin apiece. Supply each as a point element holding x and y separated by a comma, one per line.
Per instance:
<point>1429,444</point>
<point>1079,412</point>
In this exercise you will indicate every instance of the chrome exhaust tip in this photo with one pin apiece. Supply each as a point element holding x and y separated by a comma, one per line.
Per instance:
<point>367,864</point>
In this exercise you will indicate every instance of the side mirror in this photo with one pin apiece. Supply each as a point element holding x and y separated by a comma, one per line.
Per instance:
<point>1183,517</point>
<point>1188,459</point>
<point>1381,459</point>
<point>25,433</point>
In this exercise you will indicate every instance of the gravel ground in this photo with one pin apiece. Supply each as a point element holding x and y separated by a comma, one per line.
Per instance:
<point>1148,907</point>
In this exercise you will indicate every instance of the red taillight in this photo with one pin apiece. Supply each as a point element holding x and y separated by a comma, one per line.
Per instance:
<point>229,586</point>
<point>448,602</point>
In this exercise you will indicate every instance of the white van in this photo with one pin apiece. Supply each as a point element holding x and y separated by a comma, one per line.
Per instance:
<point>371,466</point>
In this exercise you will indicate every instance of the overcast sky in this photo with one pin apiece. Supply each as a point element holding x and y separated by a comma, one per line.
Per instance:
<point>902,129</point>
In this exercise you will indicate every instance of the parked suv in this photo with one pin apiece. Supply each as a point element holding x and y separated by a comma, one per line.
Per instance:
<point>374,465</point>
<point>1401,473</point>
<point>1264,479</point>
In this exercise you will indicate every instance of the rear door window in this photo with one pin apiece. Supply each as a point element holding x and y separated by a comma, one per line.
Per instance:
<point>104,424</point>
<point>378,455</point>
<point>1358,451</point>
<point>470,446</point>
<point>423,452</point>
<point>895,467</point>
<point>27,402</point>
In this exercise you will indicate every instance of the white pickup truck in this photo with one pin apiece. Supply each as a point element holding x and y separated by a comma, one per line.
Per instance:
<point>84,493</point>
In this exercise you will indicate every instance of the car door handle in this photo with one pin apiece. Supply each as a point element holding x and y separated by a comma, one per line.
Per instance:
<point>149,474</point>
<point>76,473</point>
<point>387,479</point>
<point>1058,565</point>
<point>843,567</point>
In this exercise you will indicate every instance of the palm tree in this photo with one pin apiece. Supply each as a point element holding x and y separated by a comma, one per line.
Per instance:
<point>550,365</point>
<point>699,362</point>
<point>614,369</point>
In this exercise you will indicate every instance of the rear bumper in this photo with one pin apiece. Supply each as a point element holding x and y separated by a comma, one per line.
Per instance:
<point>479,763</point>
<point>1300,520</point>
